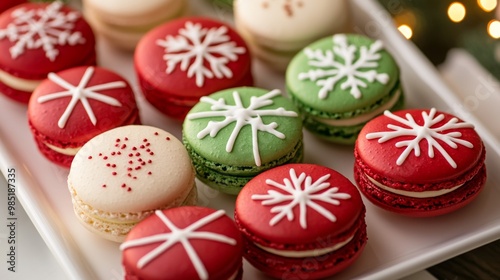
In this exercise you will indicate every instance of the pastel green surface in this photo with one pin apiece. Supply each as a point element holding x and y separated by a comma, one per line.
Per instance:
<point>340,103</point>
<point>208,152</point>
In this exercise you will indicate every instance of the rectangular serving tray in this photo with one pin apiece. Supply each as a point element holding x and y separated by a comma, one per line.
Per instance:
<point>397,246</point>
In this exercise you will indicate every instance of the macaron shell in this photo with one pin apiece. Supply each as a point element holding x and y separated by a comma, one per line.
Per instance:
<point>290,25</point>
<point>131,169</point>
<point>6,4</point>
<point>317,267</point>
<point>44,116</point>
<point>256,217</point>
<point>150,65</point>
<point>33,63</point>
<point>421,207</point>
<point>221,260</point>
<point>381,158</point>
<point>339,101</point>
<point>270,146</point>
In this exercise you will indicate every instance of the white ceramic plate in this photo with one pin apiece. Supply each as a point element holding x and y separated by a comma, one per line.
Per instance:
<point>397,246</point>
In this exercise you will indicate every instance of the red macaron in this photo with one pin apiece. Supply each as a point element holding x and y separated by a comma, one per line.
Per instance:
<point>6,4</point>
<point>182,60</point>
<point>72,106</point>
<point>187,242</point>
<point>419,162</point>
<point>39,38</point>
<point>301,220</point>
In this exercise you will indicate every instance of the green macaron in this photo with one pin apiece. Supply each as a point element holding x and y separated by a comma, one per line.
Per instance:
<point>341,82</point>
<point>235,134</point>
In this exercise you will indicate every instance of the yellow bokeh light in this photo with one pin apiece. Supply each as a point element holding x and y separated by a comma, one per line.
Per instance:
<point>494,29</point>
<point>456,12</point>
<point>487,5</point>
<point>406,31</point>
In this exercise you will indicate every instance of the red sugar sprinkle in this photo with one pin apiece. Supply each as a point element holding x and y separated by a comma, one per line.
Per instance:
<point>142,147</point>
<point>138,167</point>
<point>108,164</point>
<point>145,140</point>
<point>117,145</point>
<point>137,154</point>
<point>130,162</point>
<point>151,153</point>
<point>114,165</point>
<point>130,155</point>
<point>103,186</point>
<point>126,139</point>
<point>114,173</point>
<point>129,189</point>
<point>139,160</point>
<point>123,185</point>
<point>149,173</point>
<point>150,161</point>
<point>134,148</point>
<point>113,153</point>
<point>117,139</point>
<point>148,150</point>
<point>105,158</point>
<point>90,157</point>
<point>156,133</point>
<point>119,153</point>
<point>143,163</point>
<point>130,169</point>
<point>168,138</point>
<point>100,154</point>
<point>134,178</point>
<point>124,146</point>
<point>130,175</point>
<point>147,144</point>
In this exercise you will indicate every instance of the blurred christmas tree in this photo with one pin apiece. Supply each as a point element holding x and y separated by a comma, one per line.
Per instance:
<point>437,26</point>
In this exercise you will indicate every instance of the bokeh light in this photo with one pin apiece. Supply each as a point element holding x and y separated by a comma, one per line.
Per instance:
<point>456,12</point>
<point>487,5</point>
<point>406,31</point>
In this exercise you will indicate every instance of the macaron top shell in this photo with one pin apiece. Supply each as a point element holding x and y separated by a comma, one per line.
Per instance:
<point>298,204</point>
<point>60,39</point>
<point>419,146</point>
<point>243,126</point>
<point>192,57</point>
<point>291,21</point>
<point>343,73</point>
<point>131,169</point>
<point>5,4</point>
<point>54,114</point>
<point>211,235</point>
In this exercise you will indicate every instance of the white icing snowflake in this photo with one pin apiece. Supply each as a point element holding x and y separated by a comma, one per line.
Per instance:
<point>81,93</point>
<point>181,236</point>
<point>242,116</point>
<point>42,28</point>
<point>195,46</point>
<point>328,70</point>
<point>302,192</point>
<point>427,131</point>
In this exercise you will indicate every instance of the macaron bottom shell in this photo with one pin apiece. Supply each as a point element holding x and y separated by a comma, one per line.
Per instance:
<point>316,267</point>
<point>346,135</point>
<point>421,207</point>
<point>231,183</point>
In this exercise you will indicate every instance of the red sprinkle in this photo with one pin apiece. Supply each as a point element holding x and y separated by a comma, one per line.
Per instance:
<point>114,173</point>
<point>142,147</point>
<point>156,133</point>
<point>117,139</point>
<point>137,154</point>
<point>129,189</point>
<point>100,154</point>
<point>106,157</point>
<point>103,186</point>
<point>138,167</point>
<point>134,148</point>
<point>126,139</point>
<point>168,138</point>
<point>139,160</point>
<point>124,146</point>
<point>123,186</point>
<point>108,164</point>
<point>130,155</point>
<point>149,173</point>
<point>117,145</point>
<point>147,144</point>
<point>151,153</point>
<point>150,161</point>
<point>130,175</point>
<point>119,153</point>
<point>130,169</point>
<point>134,178</point>
<point>113,153</point>
<point>145,140</point>
<point>130,162</point>
<point>143,163</point>
<point>148,150</point>
<point>113,165</point>
<point>90,157</point>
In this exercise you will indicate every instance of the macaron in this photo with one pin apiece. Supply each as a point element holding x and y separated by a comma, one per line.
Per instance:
<point>234,134</point>
<point>341,82</point>
<point>419,162</point>
<point>301,220</point>
<point>6,4</point>
<point>123,175</point>
<point>182,60</point>
<point>39,38</point>
<point>72,106</point>
<point>276,30</point>
<point>123,22</point>
<point>187,242</point>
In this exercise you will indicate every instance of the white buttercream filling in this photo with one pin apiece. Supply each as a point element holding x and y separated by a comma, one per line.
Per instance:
<point>364,117</point>
<point>64,151</point>
<point>424,194</point>
<point>18,83</point>
<point>305,253</point>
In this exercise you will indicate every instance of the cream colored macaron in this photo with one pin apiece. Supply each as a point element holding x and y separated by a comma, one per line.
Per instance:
<point>123,175</point>
<point>281,28</point>
<point>124,22</point>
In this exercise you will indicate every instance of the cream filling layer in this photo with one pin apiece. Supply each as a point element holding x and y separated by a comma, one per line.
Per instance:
<point>18,83</point>
<point>306,253</point>
<point>364,117</point>
<point>425,194</point>
<point>64,151</point>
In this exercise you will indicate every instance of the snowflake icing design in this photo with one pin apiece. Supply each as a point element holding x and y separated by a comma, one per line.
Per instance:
<point>42,28</point>
<point>300,191</point>
<point>181,236</point>
<point>427,131</point>
<point>195,46</point>
<point>242,116</point>
<point>81,93</point>
<point>328,71</point>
